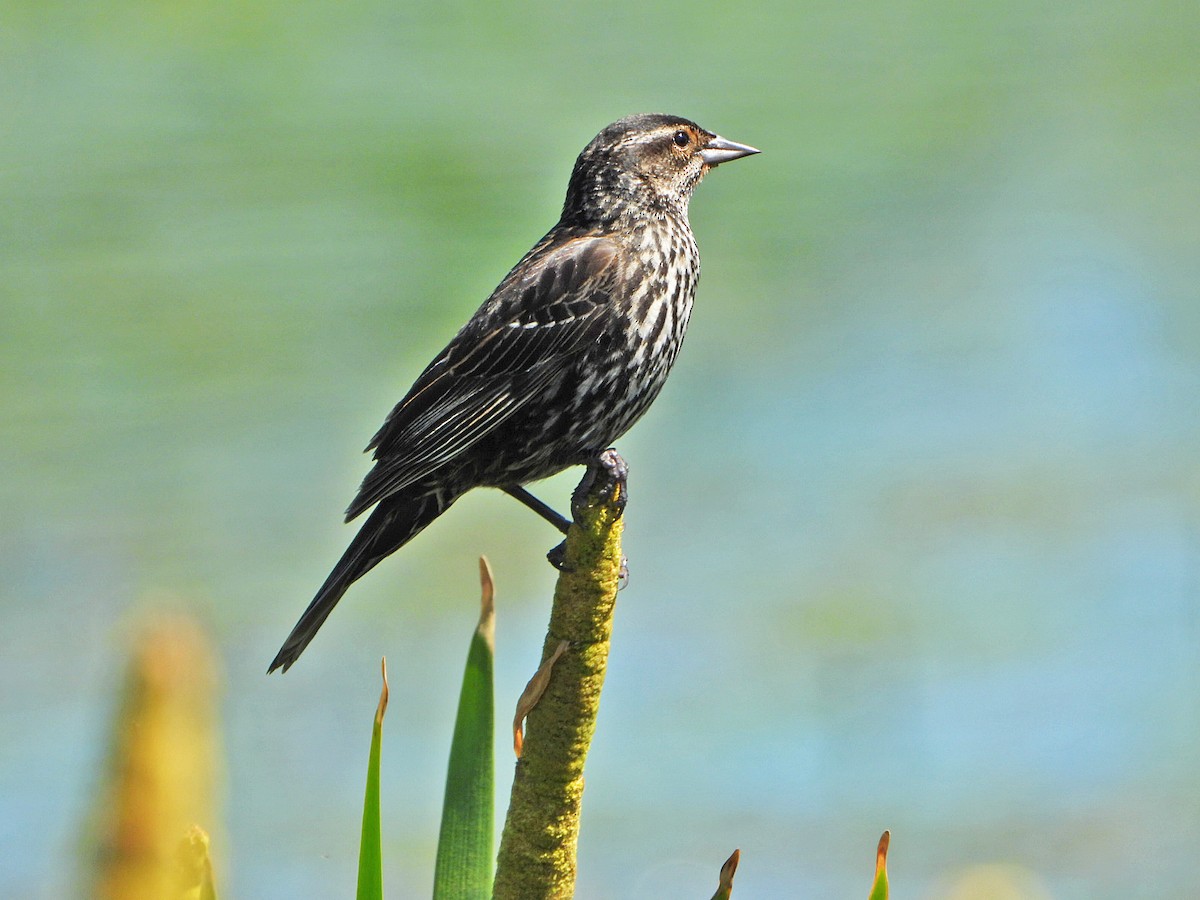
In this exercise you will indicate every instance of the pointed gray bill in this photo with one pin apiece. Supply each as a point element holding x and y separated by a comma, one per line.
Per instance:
<point>719,150</point>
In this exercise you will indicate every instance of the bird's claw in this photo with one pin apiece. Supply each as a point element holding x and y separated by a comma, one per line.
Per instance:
<point>607,474</point>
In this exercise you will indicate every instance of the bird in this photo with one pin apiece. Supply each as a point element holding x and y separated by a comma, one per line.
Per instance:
<point>558,363</point>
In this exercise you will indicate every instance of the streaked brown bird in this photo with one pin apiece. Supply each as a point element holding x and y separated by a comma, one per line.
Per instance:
<point>564,356</point>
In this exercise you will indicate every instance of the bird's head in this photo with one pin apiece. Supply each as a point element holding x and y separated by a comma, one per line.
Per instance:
<point>644,163</point>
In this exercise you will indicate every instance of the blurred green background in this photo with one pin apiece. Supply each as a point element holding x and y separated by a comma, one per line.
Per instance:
<point>914,529</point>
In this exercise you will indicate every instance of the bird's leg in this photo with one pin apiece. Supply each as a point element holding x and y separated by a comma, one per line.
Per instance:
<point>607,469</point>
<point>557,519</point>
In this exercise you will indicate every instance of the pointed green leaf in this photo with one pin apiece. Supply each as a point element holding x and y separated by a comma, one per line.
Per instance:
<point>465,846</point>
<point>879,890</point>
<point>370,855</point>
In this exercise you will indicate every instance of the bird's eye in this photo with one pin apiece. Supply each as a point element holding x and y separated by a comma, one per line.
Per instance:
<point>681,138</point>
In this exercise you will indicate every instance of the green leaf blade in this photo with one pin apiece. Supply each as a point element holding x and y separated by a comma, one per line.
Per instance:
<point>370,854</point>
<point>879,889</point>
<point>466,846</point>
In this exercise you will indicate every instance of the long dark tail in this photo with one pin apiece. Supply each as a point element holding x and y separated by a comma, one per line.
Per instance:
<point>395,522</point>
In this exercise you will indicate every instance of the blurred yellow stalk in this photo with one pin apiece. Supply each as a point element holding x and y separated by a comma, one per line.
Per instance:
<point>161,774</point>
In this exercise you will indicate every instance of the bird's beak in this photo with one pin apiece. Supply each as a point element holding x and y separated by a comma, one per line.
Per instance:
<point>719,150</point>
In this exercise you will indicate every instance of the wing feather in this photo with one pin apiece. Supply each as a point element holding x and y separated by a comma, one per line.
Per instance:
<point>557,300</point>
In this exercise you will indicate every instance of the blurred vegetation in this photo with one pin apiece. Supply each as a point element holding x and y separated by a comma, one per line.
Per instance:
<point>162,776</point>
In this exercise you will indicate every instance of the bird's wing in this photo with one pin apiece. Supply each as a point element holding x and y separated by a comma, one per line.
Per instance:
<point>556,301</point>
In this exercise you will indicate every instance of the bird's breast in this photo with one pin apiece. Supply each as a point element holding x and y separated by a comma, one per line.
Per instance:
<point>660,304</point>
<point>664,271</point>
<point>610,384</point>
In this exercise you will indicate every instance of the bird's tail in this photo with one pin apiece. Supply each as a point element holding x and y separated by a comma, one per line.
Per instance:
<point>395,522</point>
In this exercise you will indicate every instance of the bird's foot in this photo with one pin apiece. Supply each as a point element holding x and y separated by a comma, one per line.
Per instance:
<point>607,476</point>
<point>607,473</point>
